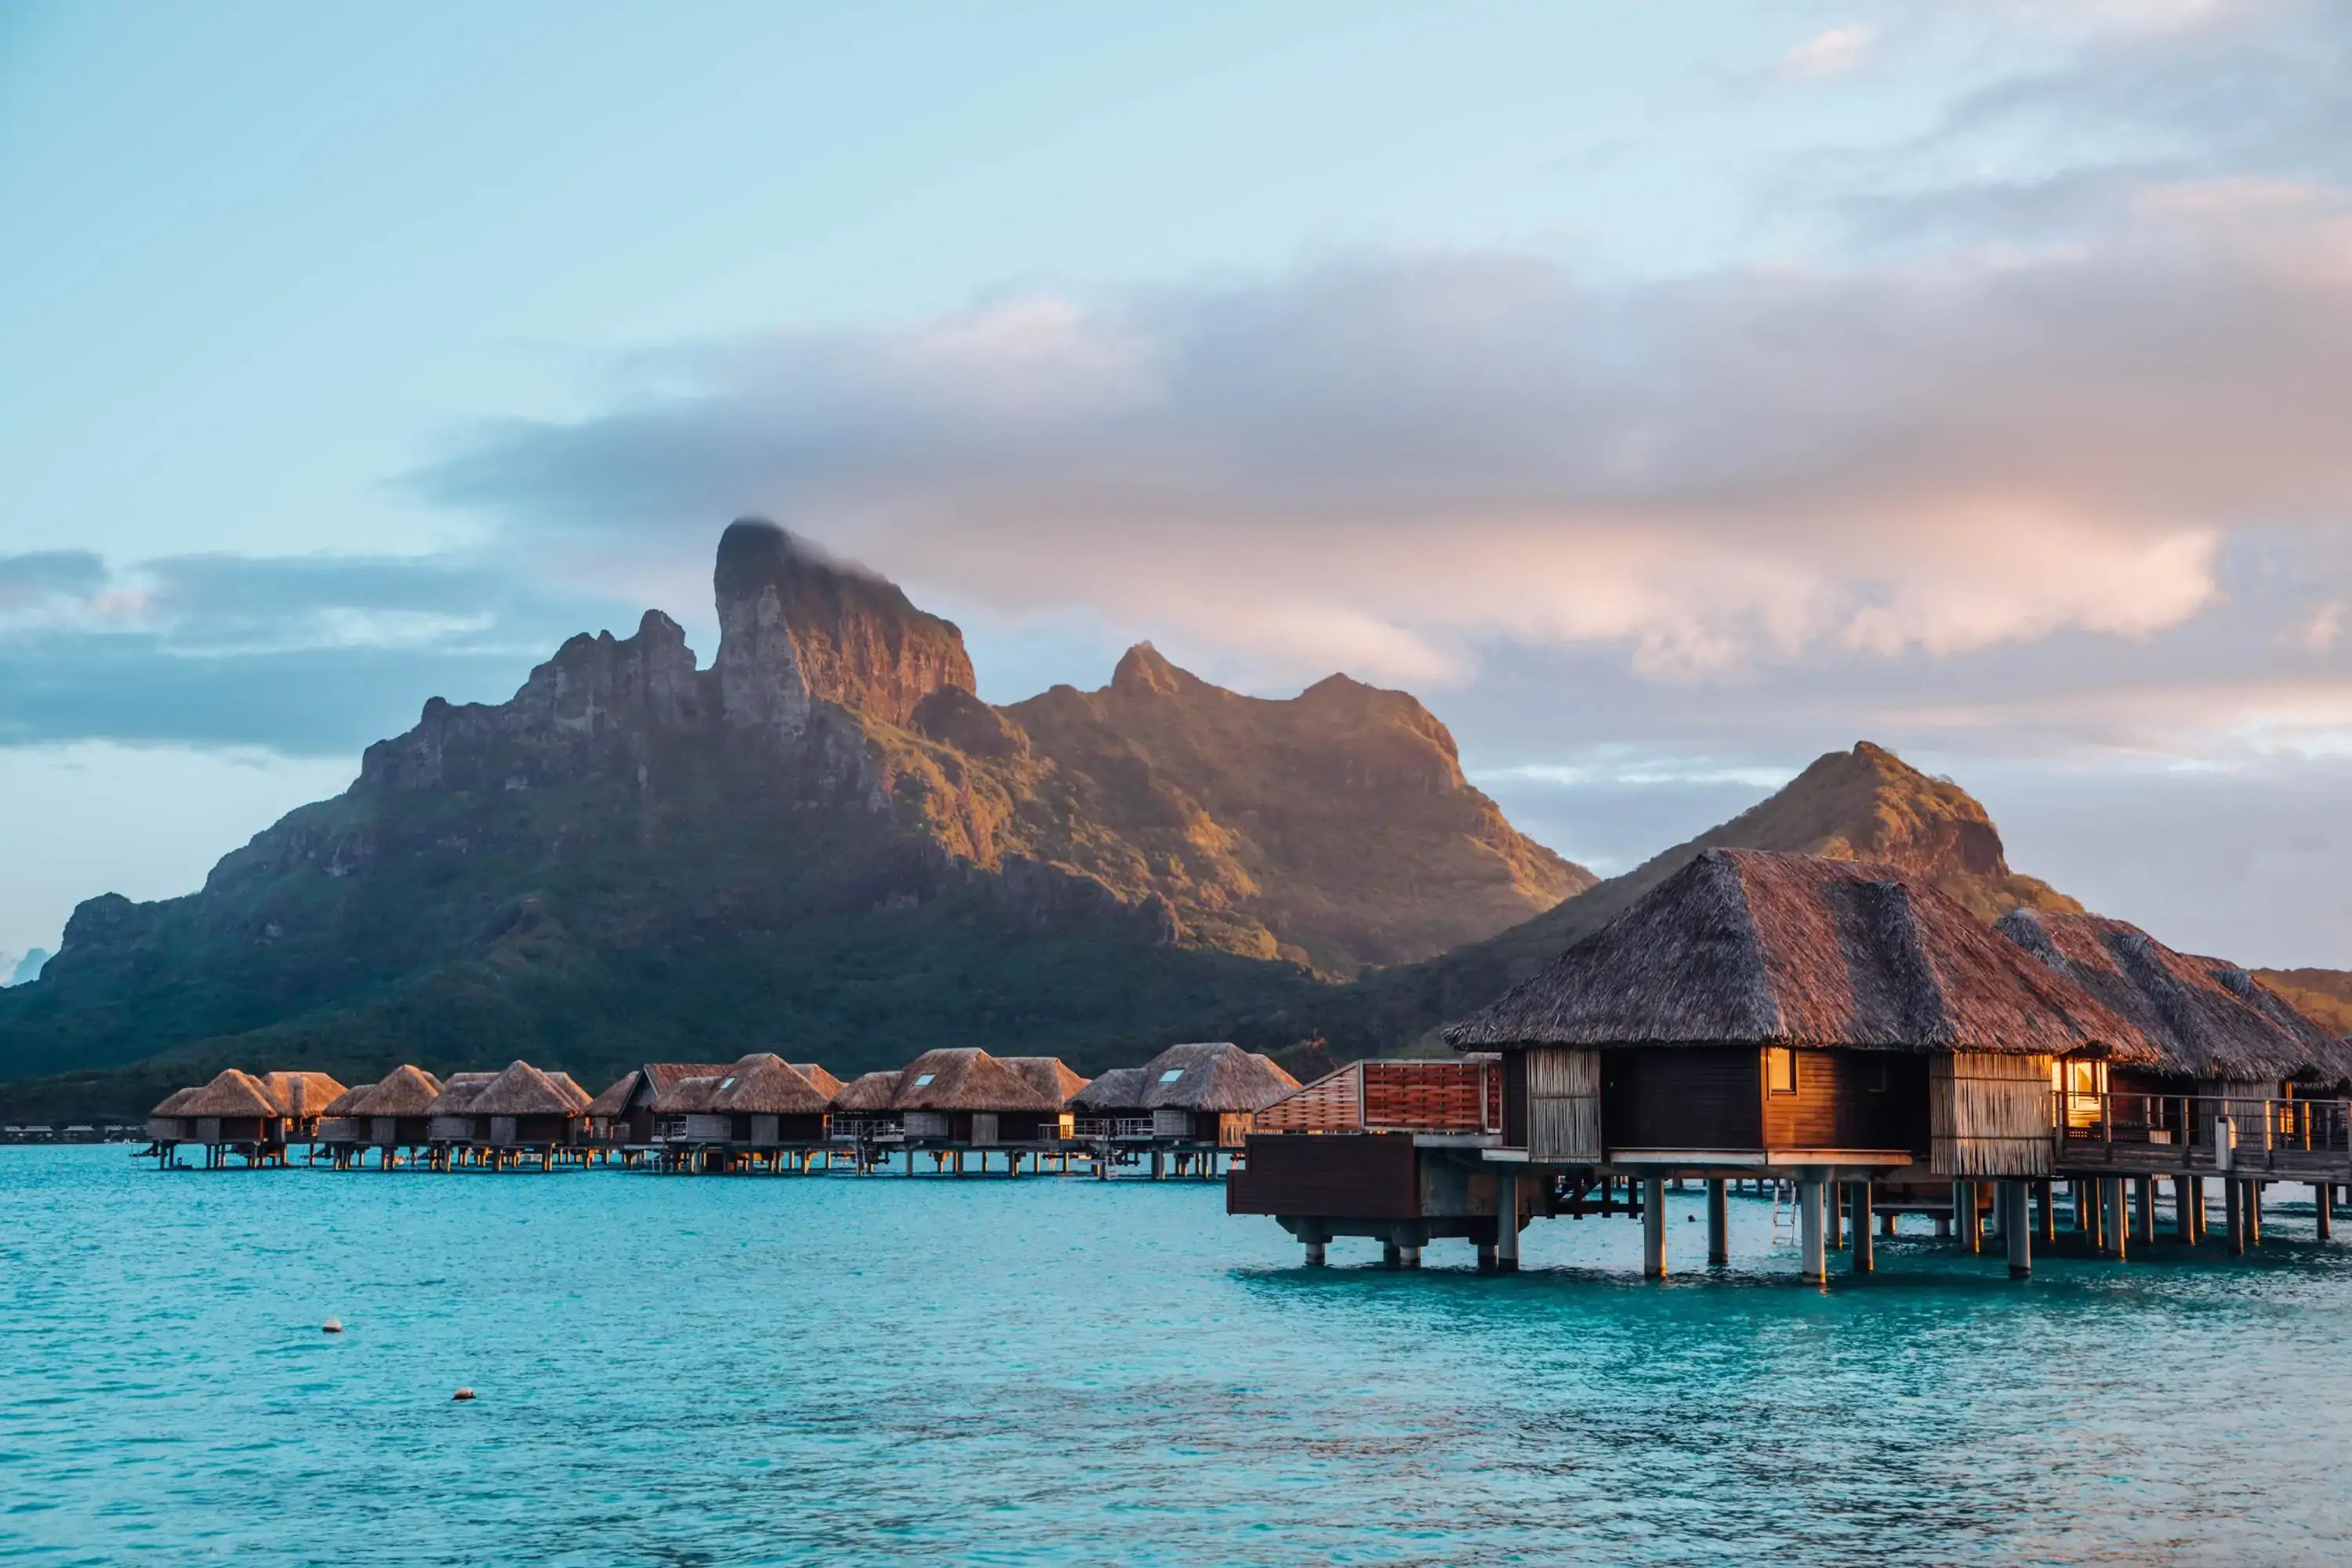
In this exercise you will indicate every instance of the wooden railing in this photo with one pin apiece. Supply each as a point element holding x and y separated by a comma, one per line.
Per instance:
<point>2201,1133</point>
<point>1459,1096</point>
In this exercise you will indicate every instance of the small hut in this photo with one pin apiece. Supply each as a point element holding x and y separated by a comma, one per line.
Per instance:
<point>167,1124</point>
<point>303,1098</point>
<point>625,1113</point>
<point>235,1112</point>
<point>1112,1106</point>
<point>767,1103</point>
<point>866,1099</point>
<point>527,1108</point>
<point>1206,1093</point>
<point>965,1097</point>
<point>1057,1079</point>
<point>825,1082</point>
<point>448,1117</point>
<point>389,1114</point>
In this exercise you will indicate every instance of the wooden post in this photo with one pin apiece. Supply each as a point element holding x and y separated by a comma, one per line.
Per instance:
<point>2118,1222</point>
<point>2324,1209</point>
<point>1392,1255</point>
<point>2253,1214</point>
<point>2017,1230</point>
<point>1965,1214</point>
<point>1865,1257</point>
<point>1832,1209</point>
<point>1506,1224</point>
<point>1718,1225</point>
<point>1809,1232</point>
<point>2184,1220</point>
<point>1653,1228</point>
<point>2146,1215</point>
<point>2234,1207</point>
<point>2046,1193</point>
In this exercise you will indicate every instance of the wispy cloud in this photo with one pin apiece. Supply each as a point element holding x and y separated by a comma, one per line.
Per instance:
<point>1839,51</point>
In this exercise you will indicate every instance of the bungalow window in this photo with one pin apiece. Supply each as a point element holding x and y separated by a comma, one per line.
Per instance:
<point>1780,1070</point>
<point>924,1081</point>
<point>1172,1075</point>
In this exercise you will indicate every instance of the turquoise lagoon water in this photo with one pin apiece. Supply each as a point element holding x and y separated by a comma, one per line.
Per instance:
<point>680,1371</point>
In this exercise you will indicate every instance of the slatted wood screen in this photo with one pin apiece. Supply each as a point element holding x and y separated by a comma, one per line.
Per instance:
<point>1989,1115</point>
<point>1400,1096</point>
<point>1564,1103</point>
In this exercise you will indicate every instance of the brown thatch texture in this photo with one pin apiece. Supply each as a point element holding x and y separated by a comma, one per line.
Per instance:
<point>523,1090</point>
<point>1215,1075</point>
<point>967,1078</point>
<point>232,1094</point>
<point>570,1088</point>
<point>301,1094</point>
<point>1120,1088</point>
<point>867,1093</point>
<point>2210,1019</point>
<point>174,1103</point>
<point>404,1092</point>
<point>689,1096</point>
<point>1049,1076</point>
<point>766,1085</point>
<point>1742,945</point>
<point>615,1101</point>
<point>819,1076</point>
<point>459,1092</point>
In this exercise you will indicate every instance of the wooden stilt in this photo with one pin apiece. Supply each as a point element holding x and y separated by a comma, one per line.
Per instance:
<point>1833,1208</point>
<point>1866,1256</point>
<point>2234,1209</point>
<point>2322,1208</point>
<point>1506,1224</point>
<point>1718,1225</point>
<point>2145,1196</point>
<point>2047,1192</point>
<point>1965,1214</point>
<point>2253,1214</point>
<point>1809,1233</point>
<point>2017,1230</point>
<point>1653,1228</point>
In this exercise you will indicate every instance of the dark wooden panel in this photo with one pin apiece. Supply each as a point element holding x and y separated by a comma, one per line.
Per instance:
<point>1851,1099</point>
<point>1327,1176</point>
<point>1682,1097</point>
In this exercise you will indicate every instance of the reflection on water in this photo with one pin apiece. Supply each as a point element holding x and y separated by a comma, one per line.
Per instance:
<point>687,1371</point>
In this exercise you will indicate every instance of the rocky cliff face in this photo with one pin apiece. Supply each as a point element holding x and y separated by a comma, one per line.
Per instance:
<point>797,629</point>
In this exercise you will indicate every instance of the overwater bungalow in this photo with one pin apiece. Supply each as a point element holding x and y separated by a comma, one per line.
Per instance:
<point>234,1113</point>
<point>1056,1080</point>
<point>166,1126</point>
<point>624,1114</point>
<point>448,1120</point>
<point>1190,1103</point>
<point>2242,1086</point>
<point>754,1110</point>
<point>1822,1022</point>
<point>958,1099</point>
<point>302,1098</point>
<point>388,1115</point>
<point>825,1082</point>
<point>1112,1106</point>
<point>523,1109</point>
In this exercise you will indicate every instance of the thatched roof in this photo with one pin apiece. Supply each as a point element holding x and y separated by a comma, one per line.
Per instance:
<point>967,1078</point>
<point>764,1084</point>
<point>867,1092</point>
<point>1743,945</point>
<point>1213,1076</point>
<point>174,1103</point>
<point>2209,1019</point>
<point>404,1092</point>
<point>459,1092</point>
<point>569,1086</point>
<point>615,1101</point>
<point>232,1094</point>
<point>523,1090</point>
<point>689,1096</point>
<point>1120,1088</point>
<point>301,1094</point>
<point>1048,1075</point>
<point>819,1076</point>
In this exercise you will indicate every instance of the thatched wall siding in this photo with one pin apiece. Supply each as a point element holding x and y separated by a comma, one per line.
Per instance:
<point>383,1129</point>
<point>1169,1122</point>
<point>167,1128</point>
<point>926,1124</point>
<point>1989,1115</point>
<point>451,1129</point>
<point>1564,1103</point>
<point>705,1129</point>
<point>340,1129</point>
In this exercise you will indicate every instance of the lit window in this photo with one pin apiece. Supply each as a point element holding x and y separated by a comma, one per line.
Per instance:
<point>925,1079</point>
<point>1172,1075</point>
<point>727,1083</point>
<point>1780,1070</point>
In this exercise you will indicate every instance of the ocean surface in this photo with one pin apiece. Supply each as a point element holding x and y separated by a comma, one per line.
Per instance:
<point>709,1371</point>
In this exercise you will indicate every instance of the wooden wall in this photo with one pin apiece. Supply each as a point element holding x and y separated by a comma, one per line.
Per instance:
<point>1853,1099</point>
<point>1327,1176</point>
<point>1683,1097</point>
<point>1990,1115</point>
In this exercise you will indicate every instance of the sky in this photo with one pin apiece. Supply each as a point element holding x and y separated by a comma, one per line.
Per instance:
<point>1666,395</point>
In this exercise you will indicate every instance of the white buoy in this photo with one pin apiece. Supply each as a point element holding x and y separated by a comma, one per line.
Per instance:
<point>332,1326</point>
<point>463,1394</point>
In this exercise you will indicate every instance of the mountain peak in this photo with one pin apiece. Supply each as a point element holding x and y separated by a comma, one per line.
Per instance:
<point>1145,669</point>
<point>796,626</point>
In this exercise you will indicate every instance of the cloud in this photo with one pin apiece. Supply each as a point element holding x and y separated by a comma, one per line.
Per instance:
<point>1378,459</point>
<point>305,656</point>
<point>1840,51</point>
